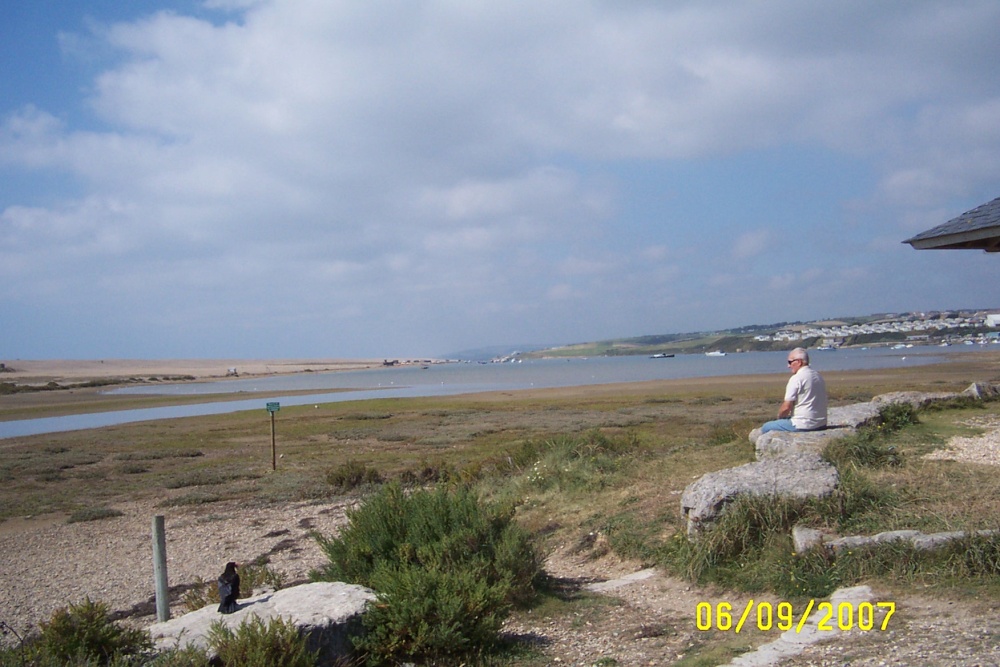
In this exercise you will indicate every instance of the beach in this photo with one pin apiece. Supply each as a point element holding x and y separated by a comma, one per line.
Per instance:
<point>80,370</point>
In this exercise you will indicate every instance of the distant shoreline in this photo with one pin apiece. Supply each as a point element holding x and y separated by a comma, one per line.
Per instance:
<point>29,371</point>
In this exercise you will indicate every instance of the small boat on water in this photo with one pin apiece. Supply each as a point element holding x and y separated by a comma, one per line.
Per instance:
<point>660,355</point>
<point>715,353</point>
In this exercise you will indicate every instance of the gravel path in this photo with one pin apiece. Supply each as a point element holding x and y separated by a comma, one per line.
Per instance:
<point>48,564</point>
<point>983,448</point>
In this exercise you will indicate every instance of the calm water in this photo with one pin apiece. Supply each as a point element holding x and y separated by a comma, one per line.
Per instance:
<point>462,378</point>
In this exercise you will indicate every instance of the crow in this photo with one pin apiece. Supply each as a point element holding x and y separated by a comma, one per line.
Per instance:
<point>229,588</point>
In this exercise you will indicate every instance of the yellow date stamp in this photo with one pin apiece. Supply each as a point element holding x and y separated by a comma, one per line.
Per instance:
<point>782,616</point>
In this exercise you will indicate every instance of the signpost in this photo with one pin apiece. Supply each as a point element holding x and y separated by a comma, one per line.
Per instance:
<point>272,408</point>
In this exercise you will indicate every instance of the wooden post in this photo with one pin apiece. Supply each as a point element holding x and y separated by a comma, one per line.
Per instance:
<point>272,408</point>
<point>160,569</point>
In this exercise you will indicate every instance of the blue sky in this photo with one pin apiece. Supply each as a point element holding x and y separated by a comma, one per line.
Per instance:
<point>265,178</point>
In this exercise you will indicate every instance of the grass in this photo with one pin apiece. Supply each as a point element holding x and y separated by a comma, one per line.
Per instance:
<point>599,469</point>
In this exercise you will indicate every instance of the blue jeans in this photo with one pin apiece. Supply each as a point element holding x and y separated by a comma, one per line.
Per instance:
<point>778,425</point>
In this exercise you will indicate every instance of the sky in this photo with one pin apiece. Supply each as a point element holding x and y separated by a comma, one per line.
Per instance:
<point>326,178</point>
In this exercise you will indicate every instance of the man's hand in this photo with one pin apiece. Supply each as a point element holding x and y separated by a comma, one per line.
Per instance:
<point>786,409</point>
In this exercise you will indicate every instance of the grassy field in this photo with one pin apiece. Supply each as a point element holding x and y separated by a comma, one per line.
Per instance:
<point>685,427</point>
<point>607,461</point>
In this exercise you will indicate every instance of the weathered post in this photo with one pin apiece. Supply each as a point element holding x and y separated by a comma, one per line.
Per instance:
<point>160,569</point>
<point>272,408</point>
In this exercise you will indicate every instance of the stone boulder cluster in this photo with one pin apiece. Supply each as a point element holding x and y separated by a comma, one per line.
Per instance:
<point>791,465</point>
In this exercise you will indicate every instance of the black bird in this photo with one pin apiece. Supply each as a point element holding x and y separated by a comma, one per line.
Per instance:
<point>229,589</point>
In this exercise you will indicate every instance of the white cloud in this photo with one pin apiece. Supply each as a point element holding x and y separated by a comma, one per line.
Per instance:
<point>472,154</point>
<point>751,244</point>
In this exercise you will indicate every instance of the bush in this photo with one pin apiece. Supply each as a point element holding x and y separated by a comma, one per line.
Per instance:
<point>253,644</point>
<point>84,634</point>
<point>896,416</point>
<point>426,614</point>
<point>445,567</point>
<point>351,475</point>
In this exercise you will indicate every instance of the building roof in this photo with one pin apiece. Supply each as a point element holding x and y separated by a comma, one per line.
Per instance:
<point>978,229</point>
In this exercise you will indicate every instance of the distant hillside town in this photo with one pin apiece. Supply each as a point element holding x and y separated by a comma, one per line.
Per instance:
<point>941,328</point>
<point>896,329</point>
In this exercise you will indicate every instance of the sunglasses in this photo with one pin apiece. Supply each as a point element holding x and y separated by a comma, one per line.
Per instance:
<point>791,361</point>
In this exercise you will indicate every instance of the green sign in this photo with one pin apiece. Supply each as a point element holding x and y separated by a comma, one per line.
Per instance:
<point>273,407</point>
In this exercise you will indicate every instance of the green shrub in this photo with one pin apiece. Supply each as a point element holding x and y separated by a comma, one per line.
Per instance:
<point>896,416</point>
<point>351,475</point>
<point>189,656</point>
<point>84,634</point>
<point>426,614</point>
<point>445,567</point>
<point>254,644</point>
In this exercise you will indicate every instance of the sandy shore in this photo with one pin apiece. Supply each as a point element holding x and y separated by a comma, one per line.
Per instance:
<point>78,370</point>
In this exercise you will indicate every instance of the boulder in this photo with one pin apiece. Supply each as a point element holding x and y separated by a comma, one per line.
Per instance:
<point>852,416</point>
<point>982,391</point>
<point>800,475</point>
<point>782,443</point>
<point>917,399</point>
<point>805,538</point>
<point>325,612</point>
<point>914,538</point>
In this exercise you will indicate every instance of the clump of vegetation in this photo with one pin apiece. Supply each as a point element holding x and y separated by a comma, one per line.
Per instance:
<point>446,568</point>
<point>83,634</point>
<point>586,462</point>
<point>867,448</point>
<point>351,475</point>
<point>256,644</point>
<point>93,514</point>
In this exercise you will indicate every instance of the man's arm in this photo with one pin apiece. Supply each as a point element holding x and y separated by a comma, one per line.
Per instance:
<point>786,409</point>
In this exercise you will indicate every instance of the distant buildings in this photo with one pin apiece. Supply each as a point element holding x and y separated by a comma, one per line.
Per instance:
<point>915,327</point>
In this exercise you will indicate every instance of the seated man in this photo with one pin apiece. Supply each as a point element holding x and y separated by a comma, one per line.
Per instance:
<point>804,407</point>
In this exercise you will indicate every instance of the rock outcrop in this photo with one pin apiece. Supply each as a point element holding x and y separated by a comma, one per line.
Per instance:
<point>326,613</point>
<point>789,463</point>
<point>796,475</point>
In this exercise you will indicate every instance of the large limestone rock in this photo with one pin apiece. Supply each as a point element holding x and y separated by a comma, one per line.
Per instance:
<point>782,443</point>
<point>800,475</point>
<point>789,463</point>
<point>982,391</point>
<point>917,399</point>
<point>325,612</point>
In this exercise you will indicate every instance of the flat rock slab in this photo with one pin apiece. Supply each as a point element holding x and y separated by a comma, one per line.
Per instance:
<point>325,612</point>
<point>793,642</point>
<point>920,541</point>
<point>798,475</point>
<point>782,443</point>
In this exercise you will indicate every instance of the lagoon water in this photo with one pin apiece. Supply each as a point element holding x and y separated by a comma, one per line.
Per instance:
<point>462,378</point>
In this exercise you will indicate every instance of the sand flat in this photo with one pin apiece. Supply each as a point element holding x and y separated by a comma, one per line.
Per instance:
<point>56,370</point>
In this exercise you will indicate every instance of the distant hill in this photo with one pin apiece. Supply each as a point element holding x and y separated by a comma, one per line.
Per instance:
<point>875,329</point>
<point>495,352</point>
